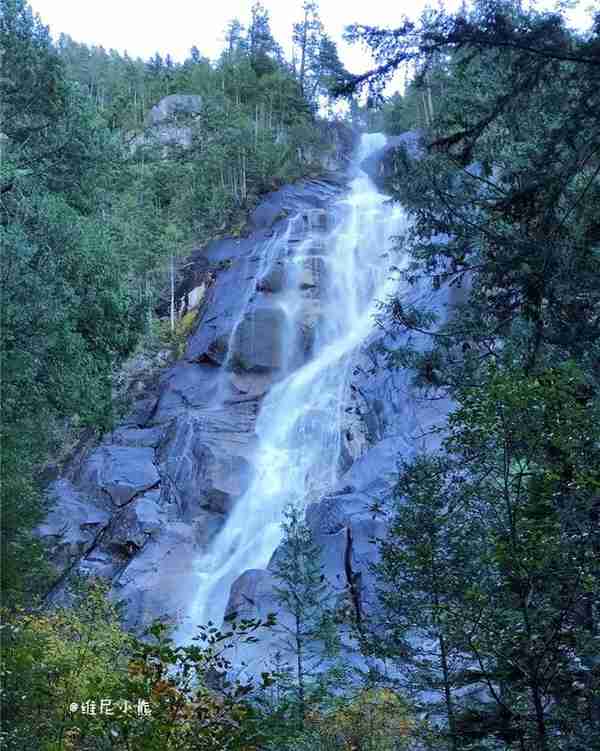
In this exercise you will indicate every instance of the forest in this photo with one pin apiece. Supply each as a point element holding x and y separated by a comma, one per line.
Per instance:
<point>487,633</point>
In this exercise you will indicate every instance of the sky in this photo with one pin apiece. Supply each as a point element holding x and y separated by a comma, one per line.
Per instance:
<point>143,27</point>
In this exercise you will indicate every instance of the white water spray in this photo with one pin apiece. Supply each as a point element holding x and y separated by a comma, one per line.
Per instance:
<point>300,423</point>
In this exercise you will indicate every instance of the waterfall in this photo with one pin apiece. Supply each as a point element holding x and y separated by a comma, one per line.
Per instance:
<point>299,426</point>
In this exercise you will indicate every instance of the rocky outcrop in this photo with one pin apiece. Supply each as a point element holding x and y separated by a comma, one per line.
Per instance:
<point>341,140</point>
<point>385,416</point>
<point>169,123</point>
<point>382,167</point>
<point>174,105</point>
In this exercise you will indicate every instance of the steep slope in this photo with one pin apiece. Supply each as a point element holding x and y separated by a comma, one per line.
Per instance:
<point>282,397</point>
<point>142,505</point>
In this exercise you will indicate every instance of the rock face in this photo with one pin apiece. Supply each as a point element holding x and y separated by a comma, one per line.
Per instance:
<point>140,507</point>
<point>121,472</point>
<point>258,341</point>
<point>385,417</point>
<point>169,123</point>
<point>381,166</point>
<point>342,140</point>
<point>175,104</point>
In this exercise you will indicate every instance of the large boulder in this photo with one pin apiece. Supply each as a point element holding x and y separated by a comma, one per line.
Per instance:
<point>159,580</point>
<point>119,472</point>
<point>183,387</point>
<point>73,524</point>
<point>139,522</point>
<point>168,124</point>
<point>138,437</point>
<point>173,106</point>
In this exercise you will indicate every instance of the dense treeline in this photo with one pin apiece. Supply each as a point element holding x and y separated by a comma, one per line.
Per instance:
<point>490,572</point>
<point>489,575</point>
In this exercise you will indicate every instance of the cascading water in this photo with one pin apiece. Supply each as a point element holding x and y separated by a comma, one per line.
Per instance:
<point>299,427</point>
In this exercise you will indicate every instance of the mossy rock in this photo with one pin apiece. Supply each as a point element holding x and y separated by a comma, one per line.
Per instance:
<point>184,326</point>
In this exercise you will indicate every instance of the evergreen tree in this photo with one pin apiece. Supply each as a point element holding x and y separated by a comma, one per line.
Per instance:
<point>426,563</point>
<point>234,37</point>
<point>319,68</point>
<point>67,313</point>
<point>264,51</point>
<point>489,568</point>
<point>305,623</point>
<point>504,198</point>
<point>307,36</point>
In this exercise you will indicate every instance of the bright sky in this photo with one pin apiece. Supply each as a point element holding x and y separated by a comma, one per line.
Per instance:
<point>143,27</point>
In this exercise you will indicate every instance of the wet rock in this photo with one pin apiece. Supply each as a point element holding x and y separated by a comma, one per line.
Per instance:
<point>258,340</point>
<point>274,280</point>
<point>311,274</point>
<point>291,199</point>
<point>201,476</point>
<point>252,595</point>
<point>251,385</point>
<point>224,303</point>
<point>342,140</point>
<point>140,507</point>
<point>185,386</point>
<point>159,581</point>
<point>119,472</point>
<point>140,437</point>
<point>316,247</point>
<point>375,470</point>
<point>316,220</point>
<point>142,412</point>
<point>382,165</point>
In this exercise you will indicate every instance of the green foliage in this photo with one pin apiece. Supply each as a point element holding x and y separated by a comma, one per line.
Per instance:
<point>306,628</point>
<point>316,59</point>
<point>68,312</point>
<point>489,564</point>
<point>489,574</point>
<point>306,663</point>
<point>55,659</point>
<point>61,665</point>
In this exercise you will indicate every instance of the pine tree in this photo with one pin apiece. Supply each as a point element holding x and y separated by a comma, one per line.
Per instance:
<point>264,51</point>
<point>307,37</point>
<point>489,568</point>
<point>234,37</point>
<point>425,564</point>
<point>318,66</point>
<point>305,624</point>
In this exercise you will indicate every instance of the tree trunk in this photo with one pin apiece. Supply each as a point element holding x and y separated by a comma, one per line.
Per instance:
<point>300,669</point>
<point>303,54</point>
<point>430,103</point>
<point>539,716</point>
<point>448,695</point>
<point>172,293</point>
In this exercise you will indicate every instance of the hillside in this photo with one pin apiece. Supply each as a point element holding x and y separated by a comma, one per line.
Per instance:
<point>300,410</point>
